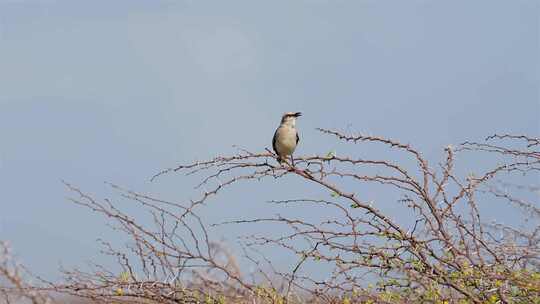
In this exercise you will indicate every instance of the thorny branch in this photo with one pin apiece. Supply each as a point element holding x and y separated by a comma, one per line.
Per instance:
<point>439,249</point>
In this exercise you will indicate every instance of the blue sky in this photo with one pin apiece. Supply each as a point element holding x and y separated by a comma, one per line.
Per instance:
<point>94,91</point>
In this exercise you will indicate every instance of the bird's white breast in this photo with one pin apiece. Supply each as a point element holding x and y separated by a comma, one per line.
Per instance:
<point>285,140</point>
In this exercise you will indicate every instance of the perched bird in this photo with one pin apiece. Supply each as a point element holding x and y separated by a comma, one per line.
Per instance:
<point>286,137</point>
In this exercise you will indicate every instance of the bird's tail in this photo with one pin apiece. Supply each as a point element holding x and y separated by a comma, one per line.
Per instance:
<point>279,159</point>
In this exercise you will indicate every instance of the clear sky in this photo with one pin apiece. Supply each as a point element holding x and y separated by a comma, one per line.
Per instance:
<point>94,91</point>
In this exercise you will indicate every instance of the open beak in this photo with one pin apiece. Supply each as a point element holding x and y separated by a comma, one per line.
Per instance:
<point>297,114</point>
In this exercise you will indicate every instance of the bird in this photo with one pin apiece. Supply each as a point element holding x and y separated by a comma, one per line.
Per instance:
<point>286,137</point>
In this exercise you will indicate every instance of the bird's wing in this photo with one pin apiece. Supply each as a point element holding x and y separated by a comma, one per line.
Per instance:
<point>274,141</point>
<point>297,138</point>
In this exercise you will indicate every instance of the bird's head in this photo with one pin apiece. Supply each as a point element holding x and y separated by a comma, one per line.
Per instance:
<point>290,118</point>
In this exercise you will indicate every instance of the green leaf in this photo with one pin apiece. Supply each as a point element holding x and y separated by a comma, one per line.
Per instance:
<point>124,277</point>
<point>331,154</point>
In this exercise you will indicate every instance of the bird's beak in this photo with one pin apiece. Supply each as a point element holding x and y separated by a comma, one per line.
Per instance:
<point>297,114</point>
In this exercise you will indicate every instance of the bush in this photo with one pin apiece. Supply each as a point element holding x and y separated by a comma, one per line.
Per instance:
<point>440,250</point>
